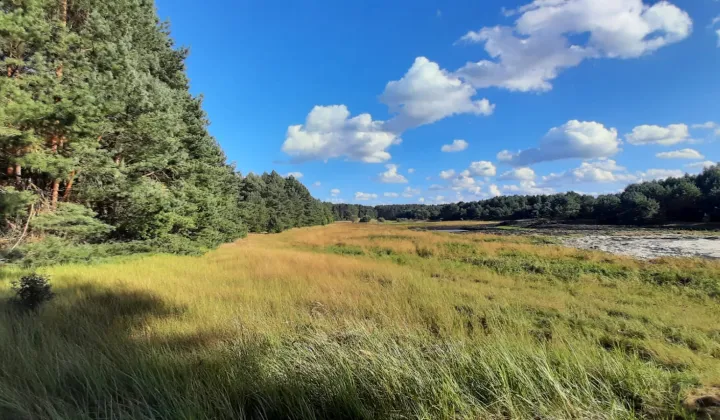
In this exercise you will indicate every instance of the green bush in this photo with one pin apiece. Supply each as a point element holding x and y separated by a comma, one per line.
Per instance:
<point>365,219</point>
<point>31,292</point>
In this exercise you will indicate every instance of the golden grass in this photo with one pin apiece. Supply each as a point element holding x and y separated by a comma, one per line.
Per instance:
<point>361,320</point>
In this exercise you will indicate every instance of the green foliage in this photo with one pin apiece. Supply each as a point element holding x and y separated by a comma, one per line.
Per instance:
<point>31,292</point>
<point>99,130</point>
<point>271,203</point>
<point>365,219</point>
<point>73,222</point>
<point>53,250</point>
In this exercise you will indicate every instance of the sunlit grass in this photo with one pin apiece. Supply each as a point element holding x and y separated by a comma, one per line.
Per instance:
<point>367,321</point>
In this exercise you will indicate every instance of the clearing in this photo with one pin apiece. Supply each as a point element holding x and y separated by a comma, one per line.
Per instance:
<point>369,321</point>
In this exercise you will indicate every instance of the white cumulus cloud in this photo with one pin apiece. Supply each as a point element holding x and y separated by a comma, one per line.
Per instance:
<point>709,125</point>
<point>681,154</point>
<point>411,170</point>
<point>391,176</point>
<point>518,174</point>
<point>421,200</point>
<point>600,171</point>
<point>391,194</point>
<point>335,192</point>
<point>700,165</point>
<point>361,196</point>
<point>330,132</point>
<point>410,192</point>
<point>481,168</point>
<point>573,140</point>
<point>447,174</point>
<point>530,54</point>
<point>653,174</point>
<point>456,146</point>
<point>296,175</point>
<point>427,93</point>
<point>494,190</point>
<point>655,134</point>
<point>527,188</point>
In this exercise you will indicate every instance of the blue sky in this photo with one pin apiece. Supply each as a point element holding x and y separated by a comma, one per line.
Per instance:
<point>541,96</point>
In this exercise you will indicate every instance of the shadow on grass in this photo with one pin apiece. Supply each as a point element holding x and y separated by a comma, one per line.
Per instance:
<point>91,353</point>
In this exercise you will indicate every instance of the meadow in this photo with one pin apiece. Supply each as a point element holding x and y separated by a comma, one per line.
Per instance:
<point>367,321</point>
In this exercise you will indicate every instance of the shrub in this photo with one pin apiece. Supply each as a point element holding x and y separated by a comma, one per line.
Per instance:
<point>31,292</point>
<point>381,219</point>
<point>365,219</point>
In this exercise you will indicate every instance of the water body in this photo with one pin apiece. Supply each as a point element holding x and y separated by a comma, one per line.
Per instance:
<point>650,247</point>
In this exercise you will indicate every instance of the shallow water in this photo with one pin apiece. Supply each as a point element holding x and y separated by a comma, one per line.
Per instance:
<point>651,246</point>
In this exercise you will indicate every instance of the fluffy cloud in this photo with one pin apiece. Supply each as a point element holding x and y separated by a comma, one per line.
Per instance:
<point>655,134</point>
<point>335,192</point>
<point>527,188</point>
<point>601,171</point>
<point>465,183</point>
<point>518,174</point>
<point>427,93</point>
<point>574,139</point>
<point>529,55</point>
<point>653,174</point>
<point>391,176</point>
<point>681,154</point>
<point>361,196</point>
<point>411,170</point>
<point>296,175</point>
<point>391,195</point>
<point>494,191</point>
<point>706,125</point>
<point>456,146</point>
<point>410,192</point>
<point>421,200</point>
<point>710,125</point>
<point>447,174</point>
<point>481,168</point>
<point>716,21</point>
<point>700,165</point>
<point>317,184</point>
<point>330,132</point>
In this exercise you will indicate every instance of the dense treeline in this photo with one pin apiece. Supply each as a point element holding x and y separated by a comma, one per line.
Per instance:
<point>100,139</point>
<point>687,199</point>
<point>271,203</point>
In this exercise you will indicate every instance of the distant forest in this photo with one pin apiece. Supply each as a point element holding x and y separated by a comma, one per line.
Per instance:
<point>103,149</point>
<point>692,198</point>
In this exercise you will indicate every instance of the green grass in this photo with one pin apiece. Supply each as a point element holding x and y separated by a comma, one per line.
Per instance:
<point>373,321</point>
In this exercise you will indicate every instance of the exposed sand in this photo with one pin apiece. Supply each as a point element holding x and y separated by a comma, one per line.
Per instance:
<point>648,247</point>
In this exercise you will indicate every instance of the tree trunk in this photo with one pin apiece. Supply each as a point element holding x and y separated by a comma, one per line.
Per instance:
<point>10,170</point>
<point>18,174</point>
<point>63,12</point>
<point>69,185</point>
<point>55,191</point>
<point>63,22</point>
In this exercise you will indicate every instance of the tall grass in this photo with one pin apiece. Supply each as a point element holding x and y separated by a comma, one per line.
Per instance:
<point>371,321</point>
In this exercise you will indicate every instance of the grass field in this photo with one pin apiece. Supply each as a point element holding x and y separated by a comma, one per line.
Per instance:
<point>367,321</point>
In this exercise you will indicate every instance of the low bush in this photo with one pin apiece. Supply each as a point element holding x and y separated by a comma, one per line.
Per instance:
<point>31,292</point>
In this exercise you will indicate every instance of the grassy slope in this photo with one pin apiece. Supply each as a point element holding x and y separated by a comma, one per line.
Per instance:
<point>367,321</point>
